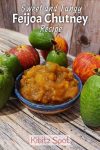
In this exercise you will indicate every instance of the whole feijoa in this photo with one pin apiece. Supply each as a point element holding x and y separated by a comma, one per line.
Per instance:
<point>6,85</point>
<point>41,39</point>
<point>90,102</point>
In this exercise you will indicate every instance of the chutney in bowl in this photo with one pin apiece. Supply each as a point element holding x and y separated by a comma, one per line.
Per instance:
<point>58,102</point>
<point>48,84</point>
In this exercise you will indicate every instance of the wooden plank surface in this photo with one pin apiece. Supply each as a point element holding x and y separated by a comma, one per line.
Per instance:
<point>42,13</point>
<point>8,7</point>
<point>17,123</point>
<point>22,27</point>
<point>1,17</point>
<point>90,32</point>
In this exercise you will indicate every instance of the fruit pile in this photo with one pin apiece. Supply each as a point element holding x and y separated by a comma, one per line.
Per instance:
<point>87,66</point>
<point>22,57</point>
<point>54,49</point>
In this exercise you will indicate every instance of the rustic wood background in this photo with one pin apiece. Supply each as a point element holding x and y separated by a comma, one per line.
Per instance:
<point>80,38</point>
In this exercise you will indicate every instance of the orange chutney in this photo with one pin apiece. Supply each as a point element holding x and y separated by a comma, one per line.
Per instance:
<point>48,84</point>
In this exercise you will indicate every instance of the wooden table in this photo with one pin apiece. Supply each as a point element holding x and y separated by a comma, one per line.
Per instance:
<point>17,123</point>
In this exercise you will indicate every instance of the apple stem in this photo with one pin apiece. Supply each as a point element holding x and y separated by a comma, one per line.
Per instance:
<point>57,52</point>
<point>7,54</point>
<point>97,71</point>
<point>53,42</point>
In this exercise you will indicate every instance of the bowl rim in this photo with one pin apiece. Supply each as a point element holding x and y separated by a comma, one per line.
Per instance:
<point>46,107</point>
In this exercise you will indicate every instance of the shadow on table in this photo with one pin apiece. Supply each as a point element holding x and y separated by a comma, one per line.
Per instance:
<point>67,116</point>
<point>95,129</point>
<point>13,106</point>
